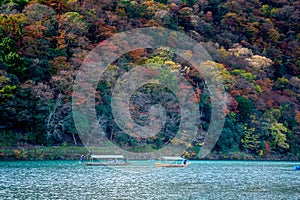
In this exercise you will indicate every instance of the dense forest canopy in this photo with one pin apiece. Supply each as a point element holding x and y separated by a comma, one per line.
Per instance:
<point>255,45</point>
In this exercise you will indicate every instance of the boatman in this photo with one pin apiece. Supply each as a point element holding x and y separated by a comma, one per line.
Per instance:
<point>81,158</point>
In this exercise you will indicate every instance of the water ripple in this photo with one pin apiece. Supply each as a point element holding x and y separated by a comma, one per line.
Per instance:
<point>200,180</point>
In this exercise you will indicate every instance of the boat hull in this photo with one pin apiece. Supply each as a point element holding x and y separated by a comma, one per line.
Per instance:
<point>106,164</point>
<point>170,165</point>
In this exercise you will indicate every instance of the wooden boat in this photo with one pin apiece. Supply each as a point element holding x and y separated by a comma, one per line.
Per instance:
<point>169,161</point>
<point>107,160</point>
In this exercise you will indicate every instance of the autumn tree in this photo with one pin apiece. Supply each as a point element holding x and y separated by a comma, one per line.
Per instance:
<point>251,140</point>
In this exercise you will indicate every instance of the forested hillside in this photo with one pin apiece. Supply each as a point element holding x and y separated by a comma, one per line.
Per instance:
<point>254,43</point>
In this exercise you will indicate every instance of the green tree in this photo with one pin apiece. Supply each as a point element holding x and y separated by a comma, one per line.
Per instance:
<point>230,138</point>
<point>10,36</point>
<point>6,89</point>
<point>278,132</point>
<point>250,140</point>
<point>20,4</point>
<point>244,107</point>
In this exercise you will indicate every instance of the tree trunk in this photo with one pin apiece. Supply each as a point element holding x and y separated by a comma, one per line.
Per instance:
<point>75,142</point>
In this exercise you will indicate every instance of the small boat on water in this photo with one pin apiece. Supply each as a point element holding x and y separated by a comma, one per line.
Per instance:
<point>169,161</point>
<point>296,167</point>
<point>107,160</point>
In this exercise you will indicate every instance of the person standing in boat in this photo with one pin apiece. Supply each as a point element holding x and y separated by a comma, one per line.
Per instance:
<point>184,161</point>
<point>81,158</point>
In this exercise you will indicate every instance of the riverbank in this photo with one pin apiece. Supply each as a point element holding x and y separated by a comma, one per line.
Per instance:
<point>42,153</point>
<point>65,152</point>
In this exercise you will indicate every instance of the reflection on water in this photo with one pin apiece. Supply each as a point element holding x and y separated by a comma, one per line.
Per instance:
<point>200,180</point>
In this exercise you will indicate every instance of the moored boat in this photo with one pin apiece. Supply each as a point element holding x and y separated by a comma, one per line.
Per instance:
<point>107,160</point>
<point>169,161</point>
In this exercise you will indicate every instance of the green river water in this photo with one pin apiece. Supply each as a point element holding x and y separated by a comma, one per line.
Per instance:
<point>200,180</point>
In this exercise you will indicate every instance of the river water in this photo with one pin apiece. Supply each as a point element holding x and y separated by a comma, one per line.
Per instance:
<point>200,180</point>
